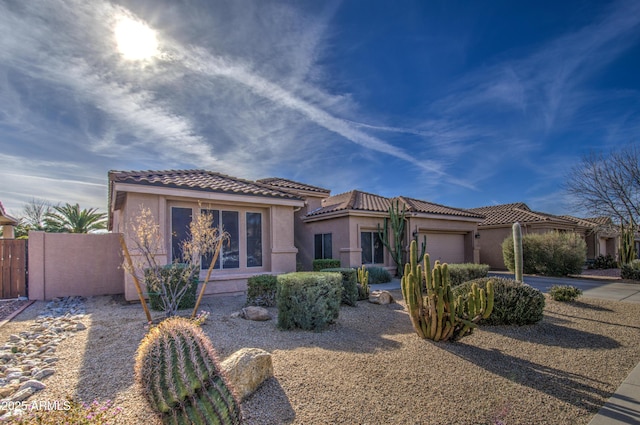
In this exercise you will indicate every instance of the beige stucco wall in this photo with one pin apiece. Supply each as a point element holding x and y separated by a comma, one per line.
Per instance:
<point>66,264</point>
<point>346,241</point>
<point>490,242</point>
<point>278,249</point>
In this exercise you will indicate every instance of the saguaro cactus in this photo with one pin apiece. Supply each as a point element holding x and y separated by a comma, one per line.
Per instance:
<point>517,250</point>
<point>627,248</point>
<point>438,315</point>
<point>395,222</point>
<point>177,368</point>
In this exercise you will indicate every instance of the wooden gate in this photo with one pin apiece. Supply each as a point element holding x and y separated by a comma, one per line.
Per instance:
<point>13,268</point>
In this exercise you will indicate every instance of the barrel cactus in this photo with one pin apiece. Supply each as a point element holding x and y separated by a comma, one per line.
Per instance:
<point>439,315</point>
<point>178,370</point>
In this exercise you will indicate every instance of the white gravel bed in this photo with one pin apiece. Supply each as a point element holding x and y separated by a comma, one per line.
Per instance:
<point>371,368</point>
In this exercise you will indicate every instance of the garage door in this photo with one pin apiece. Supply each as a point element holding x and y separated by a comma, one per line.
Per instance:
<point>446,247</point>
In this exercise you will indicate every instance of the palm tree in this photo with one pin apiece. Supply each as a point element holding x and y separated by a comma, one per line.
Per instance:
<point>70,218</point>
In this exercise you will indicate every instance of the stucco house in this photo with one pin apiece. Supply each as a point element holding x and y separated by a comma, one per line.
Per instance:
<point>7,223</point>
<point>259,219</point>
<point>277,225</point>
<point>600,233</point>
<point>345,227</point>
<point>496,227</point>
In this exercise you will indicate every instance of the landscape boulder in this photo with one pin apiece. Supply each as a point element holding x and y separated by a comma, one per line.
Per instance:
<point>247,369</point>
<point>380,297</point>
<point>258,314</point>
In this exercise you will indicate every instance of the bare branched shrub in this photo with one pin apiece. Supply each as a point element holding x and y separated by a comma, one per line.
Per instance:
<point>172,281</point>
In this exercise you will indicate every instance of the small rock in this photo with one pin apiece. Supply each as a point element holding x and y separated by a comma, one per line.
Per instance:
<point>80,327</point>
<point>14,338</point>
<point>247,369</point>
<point>259,314</point>
<point>23,394</point>
<point>236,314</point>
<point>32,383</point>
<point>43,373</point>
<point>380,297</point>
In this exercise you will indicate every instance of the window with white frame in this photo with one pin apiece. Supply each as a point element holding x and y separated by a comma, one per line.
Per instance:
<point>232,254</point>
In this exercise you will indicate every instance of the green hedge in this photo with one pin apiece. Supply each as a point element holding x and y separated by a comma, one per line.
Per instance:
<point>349,284</point>
<point>514,303</point>
<point>378,275</point>
<point>261,290</point>
<point>631,271</point>
<point>325,263</point>
<point>308,300</point>
<point>549,254</point>
<point>460,273</point>
<point>172,275</point>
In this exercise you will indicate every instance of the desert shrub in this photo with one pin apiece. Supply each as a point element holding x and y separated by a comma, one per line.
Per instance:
<point>549,254</point>
<point>325,263</point>
<point>631,271</point>
<point>564,292</point>
<point>261,290</point>
<point>69,411</point>
<point>514,303</point>
<point>164,282</point>
<point>460,273</point>
<point>604,262</point>
<point>349,284</point>
<point>308,300</point>
<point>379,275</point>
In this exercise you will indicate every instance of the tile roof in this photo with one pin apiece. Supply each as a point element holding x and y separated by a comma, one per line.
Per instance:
<point>590,221</point>
<point>200,180</point>
<point>6,219</point>
<point>286,184</point>
<point>520,212</point>
<point>416,205</point>
<point>363,201</point>
<point>353,200</point>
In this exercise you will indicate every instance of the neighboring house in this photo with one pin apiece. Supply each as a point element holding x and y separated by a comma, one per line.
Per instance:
<point>345,227</point>
<point>496,227</point>
<point>7,223</point>
<point>259,219</point>
<point>600,233</point>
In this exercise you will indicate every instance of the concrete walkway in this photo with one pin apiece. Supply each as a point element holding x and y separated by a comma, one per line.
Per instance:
<point>623,407</point>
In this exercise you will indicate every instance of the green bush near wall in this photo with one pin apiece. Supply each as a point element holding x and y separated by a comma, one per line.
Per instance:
<point>261,290</point>
<point>308,300</point>
<point>631,271</point>
<point>378,275</point>
<point>349,284</point>
<point>549,254</point>
<point>325,263</point>
<point>460,273</point>
<point>171,275</point>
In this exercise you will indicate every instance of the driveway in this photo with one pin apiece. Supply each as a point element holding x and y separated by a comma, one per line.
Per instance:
<point>604,289</point>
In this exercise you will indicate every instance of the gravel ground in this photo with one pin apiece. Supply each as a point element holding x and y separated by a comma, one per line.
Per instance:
<point>371,368</point>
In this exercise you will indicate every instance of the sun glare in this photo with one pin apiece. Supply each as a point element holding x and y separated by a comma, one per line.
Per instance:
<point>135,40</point>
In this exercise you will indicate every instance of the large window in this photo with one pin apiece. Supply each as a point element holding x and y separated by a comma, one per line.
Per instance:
<point>244,244</point>
<point>322,246</point>
<point>372,248</point>
<point>254,239</point>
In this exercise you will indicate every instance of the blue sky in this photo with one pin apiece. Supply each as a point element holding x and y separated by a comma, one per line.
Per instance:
<point>461,103</point>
